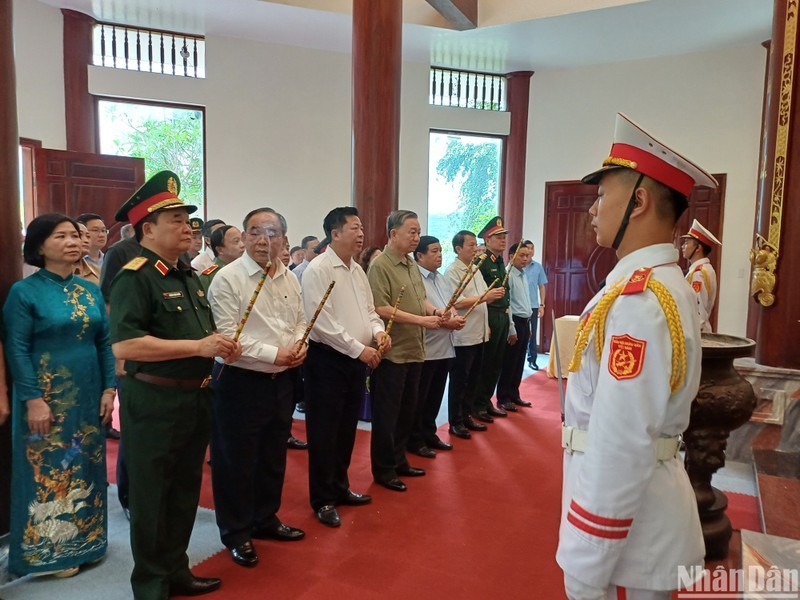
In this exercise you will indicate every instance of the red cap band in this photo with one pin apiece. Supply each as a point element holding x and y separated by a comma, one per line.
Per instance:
<point>141,210</point>
<point>654,167</point>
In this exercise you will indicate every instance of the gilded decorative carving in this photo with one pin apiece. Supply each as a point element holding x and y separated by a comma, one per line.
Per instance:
<point>764,256</point>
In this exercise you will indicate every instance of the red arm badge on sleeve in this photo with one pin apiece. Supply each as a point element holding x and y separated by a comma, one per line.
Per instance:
<point>697,286</point>
<point>626,357</point>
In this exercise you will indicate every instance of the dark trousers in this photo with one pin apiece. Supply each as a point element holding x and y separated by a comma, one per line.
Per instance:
<point>432,382</point>
<point>122,470</point>
<point>533,342</point>
<point>514,363</point>
<point>394,399</point>
<point>334,391</point>
<point>465,371</point>
<point>252,421</point>
<point>493,354</point>
<point>166,433</point>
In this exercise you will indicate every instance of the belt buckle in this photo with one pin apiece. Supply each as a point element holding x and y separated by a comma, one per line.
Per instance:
<point>205,382</point>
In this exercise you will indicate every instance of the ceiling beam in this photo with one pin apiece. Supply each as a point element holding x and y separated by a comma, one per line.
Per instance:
<point>463,14</point>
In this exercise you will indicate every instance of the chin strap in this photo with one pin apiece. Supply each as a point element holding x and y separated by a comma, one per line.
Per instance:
<point>626,217</point>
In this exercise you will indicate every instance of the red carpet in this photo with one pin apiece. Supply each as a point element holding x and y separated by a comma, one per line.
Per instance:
<point>482,523</point>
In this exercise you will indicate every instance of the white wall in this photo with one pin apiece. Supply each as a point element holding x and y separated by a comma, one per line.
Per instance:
<point>278,126</point>
<point>707,106</point>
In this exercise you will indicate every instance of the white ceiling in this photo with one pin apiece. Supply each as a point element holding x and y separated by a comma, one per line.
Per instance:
<point>636,30</point>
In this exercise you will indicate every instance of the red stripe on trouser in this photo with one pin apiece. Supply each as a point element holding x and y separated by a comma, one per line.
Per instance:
<point>597,519</point>
<point>611,534</point>
<point>621,593</point>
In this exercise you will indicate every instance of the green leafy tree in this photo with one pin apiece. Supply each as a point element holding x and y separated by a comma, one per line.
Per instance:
<point>174,143</point>
<point>476,167</point>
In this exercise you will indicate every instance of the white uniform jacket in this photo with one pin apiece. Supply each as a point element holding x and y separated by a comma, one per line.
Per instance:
<point>628,519</point>
<point>704,281</point>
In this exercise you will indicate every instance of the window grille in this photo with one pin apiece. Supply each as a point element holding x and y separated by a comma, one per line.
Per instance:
<point>467,89</point>
<point>149,50</point>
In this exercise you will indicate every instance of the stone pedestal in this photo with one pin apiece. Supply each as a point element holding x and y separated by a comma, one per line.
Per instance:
<point>724,402</point>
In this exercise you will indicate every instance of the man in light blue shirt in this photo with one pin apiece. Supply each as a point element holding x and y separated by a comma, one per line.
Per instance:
<point>537,279</point>
<point>309,245</point>
<point>520,311</point>
<point>439,352</point>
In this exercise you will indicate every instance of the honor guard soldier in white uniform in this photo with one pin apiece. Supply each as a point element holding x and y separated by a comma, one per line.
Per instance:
<point>697,245</point>
<point>629,517</point>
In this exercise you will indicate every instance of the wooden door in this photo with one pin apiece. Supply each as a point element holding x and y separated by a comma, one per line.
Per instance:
<point>576,266</point>
<point>75,182</point>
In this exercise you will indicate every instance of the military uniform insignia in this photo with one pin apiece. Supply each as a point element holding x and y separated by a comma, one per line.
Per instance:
<point>177,294</point>
<point>210,270</point>
<point>493,258</point>
<point>697,286</point>
<point>626,358</point>
<point>499,222</point>
<point>172,186</point>
<point>136,264</point>
<point>201,293</point>
<point>638,281</point>
<point>161,267</point>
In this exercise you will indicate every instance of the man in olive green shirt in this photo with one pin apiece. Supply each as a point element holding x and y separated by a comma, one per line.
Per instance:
<point>162,327</point>
<point>395,382</point>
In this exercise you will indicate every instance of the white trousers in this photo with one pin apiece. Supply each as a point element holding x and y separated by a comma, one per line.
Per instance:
<point>577,590</point>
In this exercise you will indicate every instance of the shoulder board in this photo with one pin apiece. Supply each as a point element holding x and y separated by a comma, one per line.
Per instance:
<point>136,264</point>
<point>210,270</point>
<point>638,281</point>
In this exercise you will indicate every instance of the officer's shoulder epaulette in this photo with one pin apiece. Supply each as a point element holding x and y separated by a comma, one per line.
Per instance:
<point>210,270</point>
<point>637,282</point>
<point>136,263</point>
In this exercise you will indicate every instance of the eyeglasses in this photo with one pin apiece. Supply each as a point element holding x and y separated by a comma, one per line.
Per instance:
<point>99,230</point>
<point>263,232</point>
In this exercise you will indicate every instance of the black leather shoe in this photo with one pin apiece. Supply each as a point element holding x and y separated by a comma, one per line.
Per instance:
<point>296,444</point>
<point>352,498</point>
<point>482,416</point>
<point>328,515</point>
<point>196,586</point>
<point>410,471</point>
<point>112,434</point>
<point>521,402</point>
<point>282,533</point>
<point>507,406</point>
<point>424,452</point>
<point>496,412</point>
<point>245,555</point>
<point>438,444</point>
<point>460,431</point>
<point>533,365</point>
<point>470,424</point>
<point>393,484</point>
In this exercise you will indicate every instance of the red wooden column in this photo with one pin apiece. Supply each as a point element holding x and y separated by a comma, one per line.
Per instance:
<point>377,41</point>
<point>80,108</point>
<point>512,201</point>
<point>10,239</point>
<point>778,217</point>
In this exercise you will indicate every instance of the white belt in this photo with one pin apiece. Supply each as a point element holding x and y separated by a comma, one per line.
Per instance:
<point>574,440</point>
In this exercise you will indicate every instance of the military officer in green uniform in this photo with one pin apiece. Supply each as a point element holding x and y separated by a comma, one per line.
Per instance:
<point>162,327</point>
<point>227,245</point>
<point>494,237</point>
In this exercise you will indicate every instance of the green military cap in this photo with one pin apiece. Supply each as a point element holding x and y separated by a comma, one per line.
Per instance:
<point>197,224</point>
<point>493,227</point>
<point>160,192</point>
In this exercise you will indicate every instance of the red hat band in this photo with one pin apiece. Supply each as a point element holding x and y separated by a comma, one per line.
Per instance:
<point>141,210</point>
<point>702,238</point>
<point>494,230</point>
<point>654,167</point>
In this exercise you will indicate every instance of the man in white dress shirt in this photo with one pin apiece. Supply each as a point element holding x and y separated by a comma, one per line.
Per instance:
<point>253,397</point>
<point>466,366</point>
<point>343,345</point>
